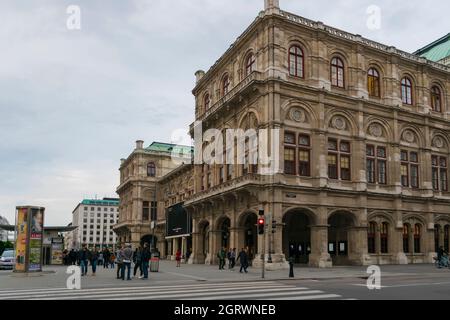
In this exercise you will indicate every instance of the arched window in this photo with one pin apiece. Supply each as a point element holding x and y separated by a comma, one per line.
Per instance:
<point>337,73</point>
<point>250,63</point>
<point>206,102</point>
<point>225,85</point>
<point>436,99</point>
<point>373,82</point>
<point>151,169</point>
<point>446,237</point>
<point>406,238</point>
<point>417,236</point>
<point>371,237</point>
<point>437,232</point>
<point>296,61</point>
<point>384,237</point>
<point>406,91</point>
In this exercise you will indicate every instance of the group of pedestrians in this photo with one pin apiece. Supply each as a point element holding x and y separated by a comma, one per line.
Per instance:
<point>243,257</point>
<point>140,257</point>
<point>86,257</point>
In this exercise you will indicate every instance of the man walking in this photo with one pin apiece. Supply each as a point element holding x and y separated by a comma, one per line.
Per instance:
<point>137,259</point>
<point>232,258</point>
<point>83,256</point>
<point>106,257</point>
<point>243,256</point>
<point>127,256</point>
<point>221,255</point>
<point>119,259</point>
<point>146,255</point>
<point>93,258</point>
<point>73,257</point>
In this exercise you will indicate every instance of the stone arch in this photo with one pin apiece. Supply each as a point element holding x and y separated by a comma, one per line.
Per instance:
<point>296,241</point>
<point>243,59</point>
<point>247,232</point>
<point>440,141</point>
<point>340,236</point>
<point>411,136</point>
<point>309,115</point>
<point>297,41</point>
<point>251,116</point>
<point>203,229</point>
<point>333,126</point>
<point>371,129</point>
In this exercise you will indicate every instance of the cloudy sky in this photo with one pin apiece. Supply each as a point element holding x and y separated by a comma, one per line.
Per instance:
<point>72,102</point>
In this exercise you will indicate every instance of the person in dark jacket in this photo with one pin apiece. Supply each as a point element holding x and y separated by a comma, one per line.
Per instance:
<point>119,261</point>
<point>106,257</point>
<point>146,255</point>
<point>137,259</point>
<point>221,255</point>
<point>93,259</point>
<point>440,256</point>
<point>73,257</point>
<point>83,256</point>
<point>243,257</point>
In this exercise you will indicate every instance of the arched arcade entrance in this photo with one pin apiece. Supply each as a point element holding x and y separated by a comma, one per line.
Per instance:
<point>297,235</point>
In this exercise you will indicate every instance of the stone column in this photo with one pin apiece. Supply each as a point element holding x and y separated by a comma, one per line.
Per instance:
<point>319,257</point>
<point>428,241</point>
<point>357,246</point>
<point>197,249</point>
<point>214,246</point>
<point>183,249</point>
<point>174,248</point>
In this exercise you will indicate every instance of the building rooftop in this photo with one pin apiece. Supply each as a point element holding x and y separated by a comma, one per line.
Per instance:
<point>103,202</point>
<point>170,148</point>
<point>437,50</point>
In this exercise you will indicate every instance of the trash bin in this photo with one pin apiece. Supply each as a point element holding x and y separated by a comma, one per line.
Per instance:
<point>154,263</point>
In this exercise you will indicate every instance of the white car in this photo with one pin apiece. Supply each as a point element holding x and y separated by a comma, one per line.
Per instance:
<point>7,260</point>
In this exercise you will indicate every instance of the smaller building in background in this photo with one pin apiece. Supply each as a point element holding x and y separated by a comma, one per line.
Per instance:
<point>94,220</point>
<point>437,51</point>
<point>3,233</point>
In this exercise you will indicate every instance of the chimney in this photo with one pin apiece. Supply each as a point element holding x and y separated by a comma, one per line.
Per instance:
<point>271,5</point>
<point>199,75</point>
<point>139,144</point>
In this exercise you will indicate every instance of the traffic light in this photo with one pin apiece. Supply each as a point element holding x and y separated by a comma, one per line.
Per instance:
<point>274,226</point>
<point>261,225</point>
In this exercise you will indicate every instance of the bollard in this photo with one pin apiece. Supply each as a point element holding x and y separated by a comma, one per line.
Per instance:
<point>291,268</point>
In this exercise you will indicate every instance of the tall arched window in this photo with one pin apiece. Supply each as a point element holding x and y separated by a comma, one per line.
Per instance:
<point>384,237</point>
<point>417,236</point>
<point>337,73</point>
<point>151,169</point>
<point>250,63</point>
<point>446,238</point>
<point>373,82</point>
<point>206,102</point>
<point>371,237</point>
<point>296,61</point>
<point>225,85</point>
<point>437,233</point>
<point>406,91</point>
<point>436,99</point>
<point>406,238</point>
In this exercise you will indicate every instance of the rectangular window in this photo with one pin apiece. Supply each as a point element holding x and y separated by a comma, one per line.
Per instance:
<point>154,210</point>
<point>221,174</point>
<point>345,168</point>
<point>145,210</point>
<point>370,170</point>
<point>404,175</point>
<point>304,163</point>
<point>289,161</point>
<point>382,177</point>
<point>409,169</point>
<point>414,176</point>
<point>289,138</point>
<point>439,173</point>
<point>332,166</point>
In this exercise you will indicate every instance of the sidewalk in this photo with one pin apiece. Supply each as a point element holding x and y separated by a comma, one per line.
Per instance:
<point>169,274</point>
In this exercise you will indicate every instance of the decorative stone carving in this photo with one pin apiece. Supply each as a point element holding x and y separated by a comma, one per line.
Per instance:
<point>375,130</point>
<point>298,115</point>
<point>408,136</point>
<point>339,123</point>
<point>438,142</point>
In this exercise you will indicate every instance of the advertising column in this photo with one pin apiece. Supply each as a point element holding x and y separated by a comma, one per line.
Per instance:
<point>29,234</point>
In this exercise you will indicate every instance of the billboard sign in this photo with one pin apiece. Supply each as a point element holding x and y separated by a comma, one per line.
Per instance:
<point>21,238</point>
<point>178,221</point>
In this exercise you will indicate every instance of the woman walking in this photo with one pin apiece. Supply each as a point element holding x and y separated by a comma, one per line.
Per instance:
<point>178,257</point>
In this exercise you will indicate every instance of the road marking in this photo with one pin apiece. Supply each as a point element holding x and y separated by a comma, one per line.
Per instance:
<point>314,297</point>
<point>406,285</point>
<point>186,276</point>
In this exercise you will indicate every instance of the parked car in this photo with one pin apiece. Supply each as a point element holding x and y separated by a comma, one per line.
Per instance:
<point>7,260</point>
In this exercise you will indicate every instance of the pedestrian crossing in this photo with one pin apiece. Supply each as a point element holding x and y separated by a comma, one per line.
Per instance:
<point>257,290</point>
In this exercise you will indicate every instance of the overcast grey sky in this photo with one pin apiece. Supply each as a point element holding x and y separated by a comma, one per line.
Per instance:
<point>72,103</point>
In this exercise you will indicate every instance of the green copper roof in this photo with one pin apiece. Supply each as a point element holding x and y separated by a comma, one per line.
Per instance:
<point>436,51</point>
<point>169,148</point>
<point>104,202</point>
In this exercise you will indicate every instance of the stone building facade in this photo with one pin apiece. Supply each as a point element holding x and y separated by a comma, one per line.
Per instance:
<point>363,146</point>
<point>142,211</point>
